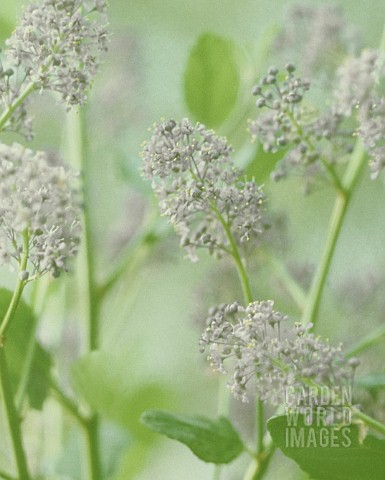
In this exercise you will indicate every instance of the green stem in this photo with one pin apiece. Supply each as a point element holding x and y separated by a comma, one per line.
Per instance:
<point>27,366</point>
<point>243,277</point>
<point>369,421</point>
<point>260,426</point>
<point>367,342</point>
<point>16,104</point>
<point>67,403</point>
<point>18,289</point>
<point>248,296</point>
<point>258,467</point>
<point>13,419</point>
<point>288,282</point>
<point>92,435</point>
<point>337,218</point>
<point>134,253</point>
<point>77,140</point>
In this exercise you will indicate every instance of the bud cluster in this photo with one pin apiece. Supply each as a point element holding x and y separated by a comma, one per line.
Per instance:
<point>199,188</point>
<point>271,356</point>
<point>302,133</point>
<point>39,211</point>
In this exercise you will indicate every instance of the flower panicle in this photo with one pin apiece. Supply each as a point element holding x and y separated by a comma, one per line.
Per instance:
<point>200,189</point>
<point>269,354</point>
<point>39,202</point>
<point>56,46</point>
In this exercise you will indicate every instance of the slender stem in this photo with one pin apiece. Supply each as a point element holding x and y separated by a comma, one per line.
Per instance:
<point>25,376</point>
<point>81,157</point>
<point>12,414</point>
<point>223,407</point>
<point>243,277</point>
<point>134,252</point>
<point>369,421</point>
<point>27,367</point>
<point>13,418</point>
<point>258,467</point>
<point>260,426</point>
<point>67,403</point>
<point>16,104</point>
<point>337,218</point>
<point>288,282</point>
<point>93,447</point>
<point>18,289</point>
<point>248,296</point>
<point>90,427</point>
<point>367,342</point>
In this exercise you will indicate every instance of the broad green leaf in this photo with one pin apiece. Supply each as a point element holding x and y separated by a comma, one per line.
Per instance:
<point>109,389</point>
<point>214,441</point>
<point>16,347</point>
<point>372,382</point>
<point>211,80</point>
<point>327,453</point>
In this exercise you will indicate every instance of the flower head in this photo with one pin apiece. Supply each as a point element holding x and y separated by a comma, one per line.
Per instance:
<point>312,141</point>
<point>199,188</point>
<point>57,45</point>
<point>39,211</point>
<point>355,81</point>
<point>261,349</point>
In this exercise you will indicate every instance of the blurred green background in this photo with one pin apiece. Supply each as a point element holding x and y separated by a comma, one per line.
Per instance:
<point>150,355</point>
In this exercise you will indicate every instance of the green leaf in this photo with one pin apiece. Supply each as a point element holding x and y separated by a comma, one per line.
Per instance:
<point>328,453</point>
<point>110,389</point>
<point>214,441</point>
<point>211,80</point>
<point>16,347</point>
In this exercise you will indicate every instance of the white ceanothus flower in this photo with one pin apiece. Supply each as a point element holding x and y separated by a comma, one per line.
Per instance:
<point>39,211</point>
<point>355,81</point>
<point>57,44</point>
<point>312,142</point>
<point>199,188</point>
<point>262,350</point>
<point>372,132</point>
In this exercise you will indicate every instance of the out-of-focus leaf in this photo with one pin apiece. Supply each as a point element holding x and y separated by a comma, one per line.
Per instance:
<point>114,442</point>
<point>17,342</point>
<point>328,453</point>
<point>108,389</point>
<point>211,79</point>
<point>214,441</point>
<point>133,461</point>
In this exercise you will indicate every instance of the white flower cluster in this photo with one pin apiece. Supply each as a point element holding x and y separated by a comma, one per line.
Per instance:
<point>315,141</point>
<point>355,80</point>
<point>57,45</point>
<point>40,206</point>
<point>273,358</point>
<point>305,135</point>
<point>199,188</point>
